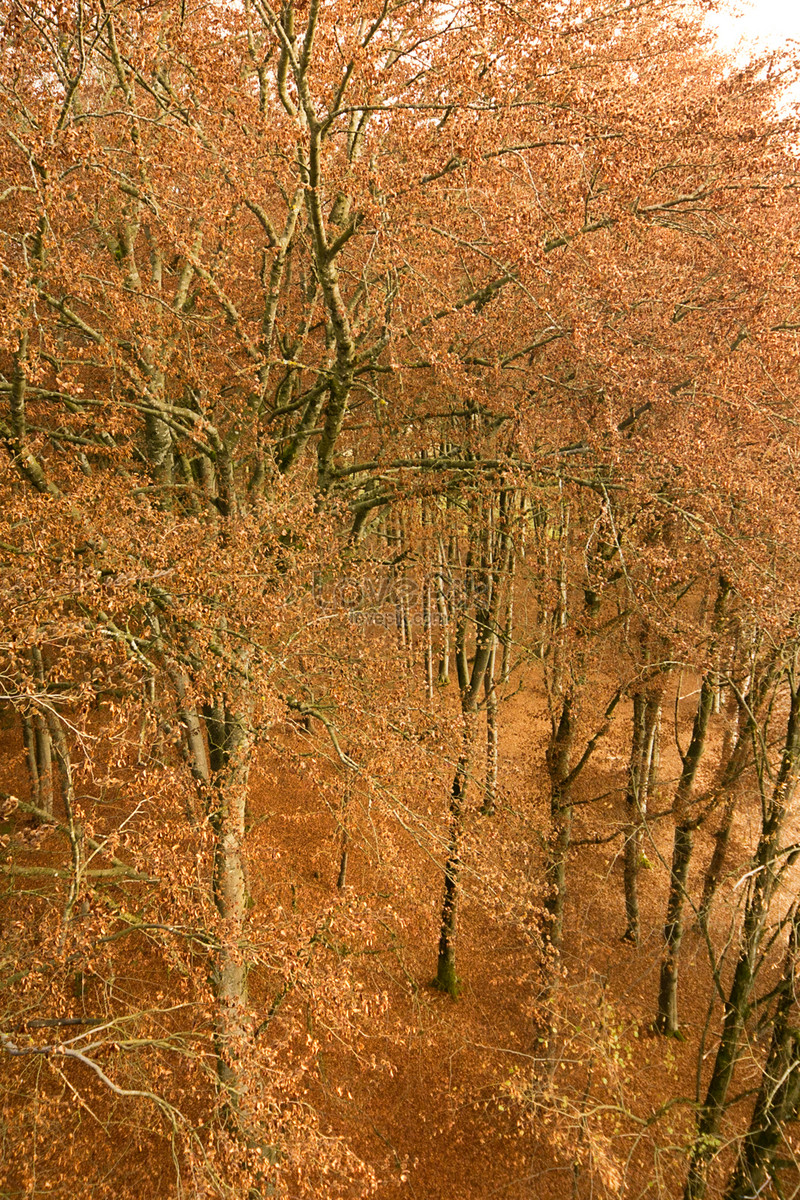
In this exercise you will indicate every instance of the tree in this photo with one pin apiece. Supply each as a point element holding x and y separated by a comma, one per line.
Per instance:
<point>306,288</point>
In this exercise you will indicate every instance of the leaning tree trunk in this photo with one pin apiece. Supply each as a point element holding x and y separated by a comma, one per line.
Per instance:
<point>779,1094</point>
<point>718,856</point>
<point>683,844</point>
<point>761,888</point>
<point>734,748</point>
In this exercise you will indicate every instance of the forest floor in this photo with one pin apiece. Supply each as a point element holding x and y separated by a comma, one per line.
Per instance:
<point>487,1095</point>
<point>463,1104</point>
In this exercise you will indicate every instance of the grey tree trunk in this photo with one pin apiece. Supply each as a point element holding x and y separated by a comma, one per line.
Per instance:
<point>446,977</point>
<point>683,844</point>
<point>42,738</point>
<point>558,763</point>
<point>471,683</point>
<point>779,1094</point>
<point>492,745</point>
<point>228,820</point>
<point>646,713</point>
<point>761,888</point>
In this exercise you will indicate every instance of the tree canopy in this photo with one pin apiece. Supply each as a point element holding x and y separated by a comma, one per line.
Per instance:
<point>347,347</point>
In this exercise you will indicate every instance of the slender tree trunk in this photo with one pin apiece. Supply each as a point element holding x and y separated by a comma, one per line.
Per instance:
<point>44,763</point>
<point>42,738</point>
<point>508,626</point>
<point>490,693</point>
<point>682,847</point>
<point>341,881</point>
<point>446,978</point>
<point>427,628</point>
<point>734,749</point>
<point>779,1094</point>
<point>683,844</point>
<point>558,762</point>
<point>444,623</point>
<point>471,683</point>
<point>31,759</point>
<point>228,820</point>
<point>717,864</point>
<point>761,887</point>
<point>646,711</point>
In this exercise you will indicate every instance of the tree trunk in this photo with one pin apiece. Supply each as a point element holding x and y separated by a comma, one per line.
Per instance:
<point>31,758</point>
<point>779,1094</point>
<point>558,760</point>
<point>508,626</point>
<point>471,683</point>
<point>762,882</point>
<point>717,864</point>
<point>42,738</point>
<point>446,978</point>
<point>646,711</point>
<point>734,749</point>
<point>228,820</point>
<point>427,627</point>
<point>667,1015</point>
<point>490,693</point>
<point>683,845</point>
<point>44,763</point>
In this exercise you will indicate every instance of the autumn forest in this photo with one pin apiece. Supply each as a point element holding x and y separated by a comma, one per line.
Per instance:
<point>400,603</point>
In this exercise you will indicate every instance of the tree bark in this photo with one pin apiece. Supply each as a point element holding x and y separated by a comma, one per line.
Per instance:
<point>779,1094</point>
<point>446,977</point>
<point>228,820</point>
<point>646,711</point>
<point>558,759</point>
<point>492,745</point>
<point>761,887</point>
<point>683,844</point>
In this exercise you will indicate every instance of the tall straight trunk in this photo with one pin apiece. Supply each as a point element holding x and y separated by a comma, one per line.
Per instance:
<point>427,629</point>
<point>444,622</point>
<point>779,1094</point>
<point>42,738</point>
<point>446,977</point>
<point>683,844</point>
<point>761,888</point>
<point>471,682</point>
<point>44,763</point>
<point>719,854</point>
<point>562,775</point>
<point>228,821</point>
<point>31,760</point>
<point>341,880</point>
<point>558,762</point>
<point>490,694</point>
<point>734,749</point>
<point>196,753</point>
<point>646,711</point>
<point>61,754</point>
<point>508,628</point>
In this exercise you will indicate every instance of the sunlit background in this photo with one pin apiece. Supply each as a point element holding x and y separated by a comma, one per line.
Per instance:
<point>765,23</point>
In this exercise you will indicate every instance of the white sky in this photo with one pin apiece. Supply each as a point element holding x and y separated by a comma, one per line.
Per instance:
<point>767,23</point>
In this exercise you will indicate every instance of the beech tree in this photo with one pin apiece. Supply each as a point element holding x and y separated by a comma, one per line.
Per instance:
<point>409,291</point>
